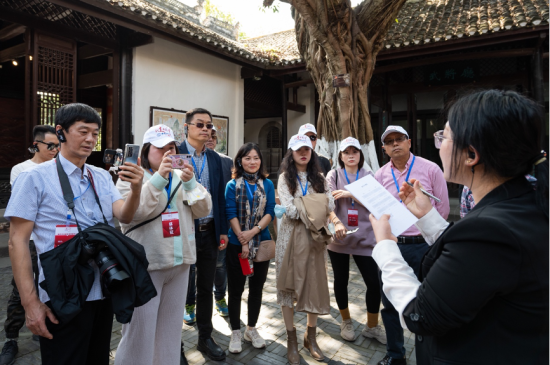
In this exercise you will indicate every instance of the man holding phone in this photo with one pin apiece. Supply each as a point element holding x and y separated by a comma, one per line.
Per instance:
<point>211,230</point>
<point>37,206</point>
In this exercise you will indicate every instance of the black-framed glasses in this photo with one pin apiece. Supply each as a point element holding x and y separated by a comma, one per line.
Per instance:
<point>403,138</point>
<point>200,125</point>
<point>51,146</point>
<point>313,137</point>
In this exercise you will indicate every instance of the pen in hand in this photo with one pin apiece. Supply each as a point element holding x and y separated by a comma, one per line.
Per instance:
<point>426,193</point>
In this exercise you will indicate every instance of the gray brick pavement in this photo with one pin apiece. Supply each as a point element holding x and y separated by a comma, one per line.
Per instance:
<point>270,326</point>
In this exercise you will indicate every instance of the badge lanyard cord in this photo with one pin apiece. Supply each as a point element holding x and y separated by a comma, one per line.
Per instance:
<point>168,188</point>
<point>356,178</point>
<point>304,191</point>
<point>68,194</point>
<point>406,178</point>
<point>199,174</point>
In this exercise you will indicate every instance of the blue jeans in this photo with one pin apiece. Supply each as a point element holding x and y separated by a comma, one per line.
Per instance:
<point>220,281</point>
<point>412,254</point>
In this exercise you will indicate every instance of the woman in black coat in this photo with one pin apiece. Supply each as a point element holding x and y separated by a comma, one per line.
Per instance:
<point>482,297</point>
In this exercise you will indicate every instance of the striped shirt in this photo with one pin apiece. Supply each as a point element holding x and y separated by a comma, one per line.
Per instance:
<point>37,197</point>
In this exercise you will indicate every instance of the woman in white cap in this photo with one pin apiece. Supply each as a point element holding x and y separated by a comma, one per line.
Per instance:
<point>154,335</point>
<point>349,214</point>
<point>300,175</point>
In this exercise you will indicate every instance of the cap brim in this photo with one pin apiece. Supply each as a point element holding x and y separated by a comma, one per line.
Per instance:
<point>392,131</point>
<point>160,143</point>
<point>297,147</point>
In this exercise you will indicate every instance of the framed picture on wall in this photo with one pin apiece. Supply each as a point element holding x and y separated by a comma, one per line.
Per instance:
<point>222,132</point>
<point>175,119</point>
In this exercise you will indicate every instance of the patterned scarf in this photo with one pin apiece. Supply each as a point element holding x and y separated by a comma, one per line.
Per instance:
<point>250,216</point>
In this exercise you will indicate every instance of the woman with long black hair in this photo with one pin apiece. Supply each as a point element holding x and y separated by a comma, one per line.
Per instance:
<point>482,297</point>
<point>249,207</point>
<point>300,176</point>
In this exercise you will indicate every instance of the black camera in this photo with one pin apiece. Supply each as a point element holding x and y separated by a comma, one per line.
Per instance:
<point>112,274</point>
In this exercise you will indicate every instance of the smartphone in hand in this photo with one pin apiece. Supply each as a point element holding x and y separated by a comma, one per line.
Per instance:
<point>131,153</point>
<point>179,161</point>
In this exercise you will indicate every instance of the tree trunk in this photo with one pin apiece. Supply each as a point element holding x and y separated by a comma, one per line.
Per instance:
<point>335,39</point>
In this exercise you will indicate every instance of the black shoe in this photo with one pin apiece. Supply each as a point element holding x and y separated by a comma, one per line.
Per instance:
<point>183,359</point>
<point>7,356</point>
<point>387,360</point>
<point>211,349</point>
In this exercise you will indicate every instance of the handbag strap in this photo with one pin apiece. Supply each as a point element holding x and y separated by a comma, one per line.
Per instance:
<point>164,210</point>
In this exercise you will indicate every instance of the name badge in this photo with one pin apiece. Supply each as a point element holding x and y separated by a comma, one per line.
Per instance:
<point>63,233</point>
<point>170,224</point>
<point>353,217</point>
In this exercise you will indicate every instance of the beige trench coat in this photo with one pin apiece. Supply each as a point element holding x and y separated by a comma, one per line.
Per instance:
<point>303,270</point>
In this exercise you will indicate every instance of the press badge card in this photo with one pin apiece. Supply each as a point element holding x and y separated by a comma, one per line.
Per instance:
<point>170,224</point>
<point>63,233</point>
<point>353,217</point>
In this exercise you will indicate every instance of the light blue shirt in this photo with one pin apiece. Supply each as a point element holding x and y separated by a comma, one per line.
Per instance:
<point>37,197</point>
<point>204,177</point>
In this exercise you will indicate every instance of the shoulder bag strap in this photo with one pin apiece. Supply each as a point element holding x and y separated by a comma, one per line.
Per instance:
<point>164,210</point>
<point>96,197</point>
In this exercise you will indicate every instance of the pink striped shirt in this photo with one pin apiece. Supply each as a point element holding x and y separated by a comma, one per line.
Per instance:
<point>430,176</point>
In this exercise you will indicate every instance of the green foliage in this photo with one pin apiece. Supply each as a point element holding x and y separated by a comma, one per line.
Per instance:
<point>273,7</point>
<point>213,11</point>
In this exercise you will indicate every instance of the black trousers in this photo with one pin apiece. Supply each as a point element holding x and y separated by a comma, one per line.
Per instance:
<point>369,271</point>
<point>15,319</point>
<point>235,285</point>
<point>85,340</point>
<point>207,259</point>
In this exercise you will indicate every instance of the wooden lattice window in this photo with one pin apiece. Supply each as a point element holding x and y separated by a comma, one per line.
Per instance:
<point>274,137</point>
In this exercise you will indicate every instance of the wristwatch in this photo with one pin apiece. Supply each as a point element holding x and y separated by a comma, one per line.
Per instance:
<point>260,227</point>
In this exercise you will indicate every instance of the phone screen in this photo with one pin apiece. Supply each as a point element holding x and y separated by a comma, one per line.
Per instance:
<point>131,153</point>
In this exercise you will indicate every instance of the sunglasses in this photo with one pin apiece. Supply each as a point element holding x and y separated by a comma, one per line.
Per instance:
<point>312,137</point>
<point>51,146</point>
<point>398,140</point>
<point>200,125</point>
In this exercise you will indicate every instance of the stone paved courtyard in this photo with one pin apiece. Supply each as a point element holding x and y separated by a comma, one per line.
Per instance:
<point>270,326</point>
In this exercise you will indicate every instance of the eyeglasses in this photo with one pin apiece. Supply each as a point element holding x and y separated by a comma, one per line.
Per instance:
<point>214,137</point>
<point>438,139</point>
<point>200,125</point>
<point>403,138</point>
<point>313,137</point>
<point>51,146</point>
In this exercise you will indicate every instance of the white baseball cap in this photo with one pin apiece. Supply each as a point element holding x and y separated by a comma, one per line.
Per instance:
<point>299,140</point>
<point>394,129</point>
<point>350,141</point>
<point>307,128</point>
<point>159,136</point>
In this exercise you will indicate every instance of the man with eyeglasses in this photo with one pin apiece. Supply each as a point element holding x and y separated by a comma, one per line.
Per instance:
<point>210,231</point>
<point>44,147</point>
<point>310,131</point>
<point>403,166</point>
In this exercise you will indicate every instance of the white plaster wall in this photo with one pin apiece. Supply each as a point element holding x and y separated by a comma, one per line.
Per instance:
<point>170,75</point>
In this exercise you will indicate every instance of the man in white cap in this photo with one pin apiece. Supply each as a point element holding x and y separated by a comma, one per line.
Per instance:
<point>402,167</point>
<point>310,131</point>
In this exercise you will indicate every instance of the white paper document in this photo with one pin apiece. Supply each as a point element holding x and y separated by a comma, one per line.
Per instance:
<point>379,201</point>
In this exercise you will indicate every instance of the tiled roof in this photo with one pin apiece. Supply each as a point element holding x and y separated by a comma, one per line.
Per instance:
<point>419,22</point>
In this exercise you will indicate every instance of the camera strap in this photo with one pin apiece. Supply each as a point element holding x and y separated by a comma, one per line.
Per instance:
<point>164,210</point>
<point>68,194</point>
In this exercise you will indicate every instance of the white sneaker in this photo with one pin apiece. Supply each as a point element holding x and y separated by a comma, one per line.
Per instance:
<point>235,345</point>
<point>346,330</point>
<point>252,335</point>
<point>377,332</point>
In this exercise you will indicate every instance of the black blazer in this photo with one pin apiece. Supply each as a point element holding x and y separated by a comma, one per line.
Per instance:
<point>217,190</point>
<point>484,293</point>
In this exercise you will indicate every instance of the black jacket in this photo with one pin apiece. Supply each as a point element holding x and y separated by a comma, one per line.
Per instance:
<point>68,283</point>
<point>324,164</point>
<point>484,293</point>
<point>217,190</point>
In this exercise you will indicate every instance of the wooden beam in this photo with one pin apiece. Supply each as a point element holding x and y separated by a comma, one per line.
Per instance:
<point>508,53</point>
<point>11,31</point>
<point>296,107</point>
<point>91,51</point>
<point>298,83</point>
<point>94,79</point>
<point>52,28</point>
<point>12,53</point>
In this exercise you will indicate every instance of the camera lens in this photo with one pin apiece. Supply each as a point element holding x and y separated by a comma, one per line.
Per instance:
<point>109,268</point>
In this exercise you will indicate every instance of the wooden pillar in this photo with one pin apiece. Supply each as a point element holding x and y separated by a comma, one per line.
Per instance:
<point>411,119</point>
<point>125,107</point>
<point>537,86</point>
<point>284,121</point>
